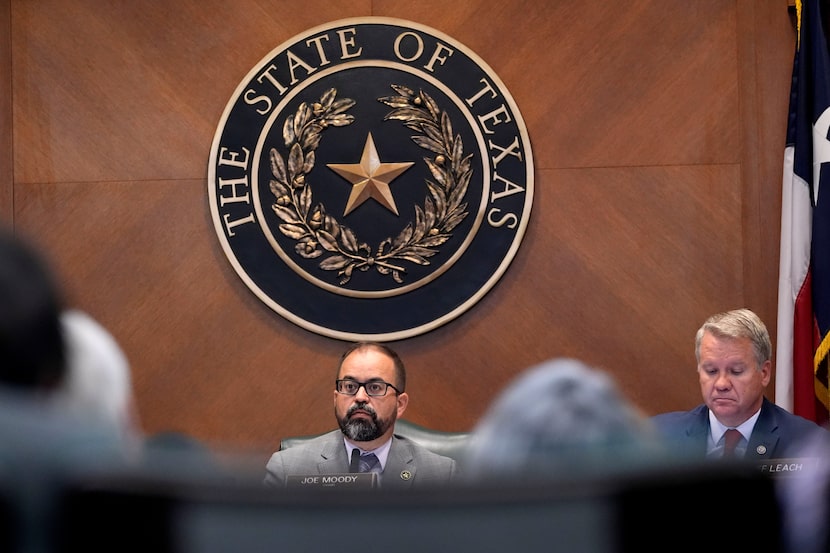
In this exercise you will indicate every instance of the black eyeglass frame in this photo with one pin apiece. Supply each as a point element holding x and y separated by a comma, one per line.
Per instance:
<point>363,385</point>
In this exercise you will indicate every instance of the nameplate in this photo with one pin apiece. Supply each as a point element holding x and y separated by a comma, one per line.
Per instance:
<point>363,480</point>
<point>788,467</point>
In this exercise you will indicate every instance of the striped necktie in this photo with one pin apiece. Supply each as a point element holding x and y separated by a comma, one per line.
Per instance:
<point>369,463</point>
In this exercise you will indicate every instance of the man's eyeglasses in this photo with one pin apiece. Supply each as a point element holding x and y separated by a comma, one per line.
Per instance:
<point>374,388</point>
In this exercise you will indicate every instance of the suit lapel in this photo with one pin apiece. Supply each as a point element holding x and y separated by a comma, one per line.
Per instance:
<point>764,438</point>
<point>698,433</point>
<point>333,458</point>
<point>400,466</point>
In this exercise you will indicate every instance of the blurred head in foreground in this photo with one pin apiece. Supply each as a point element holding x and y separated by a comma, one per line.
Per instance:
<point>32,357</point>
<point>805,501</point>
<point>555,419</point>
<point>98,382</point>
<point>38,436</point>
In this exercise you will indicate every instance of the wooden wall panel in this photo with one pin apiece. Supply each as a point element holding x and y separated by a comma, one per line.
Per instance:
<point>607,84</point>
<point>643,117</point>
<point>6,188</point>
<point>134,91</point>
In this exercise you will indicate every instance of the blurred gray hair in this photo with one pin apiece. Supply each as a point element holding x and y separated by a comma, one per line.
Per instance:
<point>560,413</point>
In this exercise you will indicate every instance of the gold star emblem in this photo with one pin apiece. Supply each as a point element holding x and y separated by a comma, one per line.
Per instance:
<point>370,178</point>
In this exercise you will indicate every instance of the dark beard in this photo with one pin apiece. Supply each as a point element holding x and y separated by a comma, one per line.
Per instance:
<point>362,430</point>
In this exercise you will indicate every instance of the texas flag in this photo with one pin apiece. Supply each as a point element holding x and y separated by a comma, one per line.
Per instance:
<point>801,383</point>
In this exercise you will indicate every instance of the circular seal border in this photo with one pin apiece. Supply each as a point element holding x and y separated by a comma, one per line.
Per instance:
<point>219,155</point>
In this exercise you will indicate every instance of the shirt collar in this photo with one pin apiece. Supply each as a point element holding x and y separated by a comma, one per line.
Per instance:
<point>718,429</point>
<point>382,452</point>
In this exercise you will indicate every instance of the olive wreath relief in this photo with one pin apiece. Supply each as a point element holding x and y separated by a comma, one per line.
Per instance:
<point>319,234</point>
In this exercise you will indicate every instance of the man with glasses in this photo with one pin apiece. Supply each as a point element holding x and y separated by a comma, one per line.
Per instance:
<point>369,396</point>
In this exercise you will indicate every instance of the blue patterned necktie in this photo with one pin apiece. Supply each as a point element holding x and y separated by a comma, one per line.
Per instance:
<point>369,463</point>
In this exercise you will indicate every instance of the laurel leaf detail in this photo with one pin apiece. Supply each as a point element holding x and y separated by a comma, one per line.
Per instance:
<point>429,212</point>
<point>437,172</point>
<point>437,196</point>
<point>403,90</point>
<point>288,135</point>
<point>460,190</point>
<point>434,111</point>
<point>304,201</point>
<point>308,164</point>
<point>454,220</point>
<point>402,238</point>
<point>349,240</point>
<point>432,132</point>
<point>292,231</point>
<point>328,97</point>
<point>411,257</point>
<point>446,128</point>
<point>334,263</point>
<point>300,118</point>
<point>278,189</point>
<point>286,214</point>
<point>340,106</point>
<point>428,144</point>
<point>422,251</point>
<point>295,163</point>
<point>340,120</point>
<point>396,101</point>
<point>436,240</point>
<point>277,166</point>
<point>328,241</point>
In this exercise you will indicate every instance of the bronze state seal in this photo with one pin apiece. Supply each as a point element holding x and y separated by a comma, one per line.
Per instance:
<point>370,178</point>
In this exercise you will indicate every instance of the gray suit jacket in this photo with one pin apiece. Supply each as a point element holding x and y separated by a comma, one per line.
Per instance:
<point>778,434</point>
<point>407,465</point>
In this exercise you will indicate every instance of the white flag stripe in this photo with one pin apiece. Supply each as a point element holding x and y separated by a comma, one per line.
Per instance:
<point>796,234</point>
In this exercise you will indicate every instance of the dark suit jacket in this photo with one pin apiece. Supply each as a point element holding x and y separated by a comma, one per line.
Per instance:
<point>778,434</point>
<point>407,465</point>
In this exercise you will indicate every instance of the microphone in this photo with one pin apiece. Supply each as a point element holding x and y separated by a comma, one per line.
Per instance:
<point>355,462</point>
